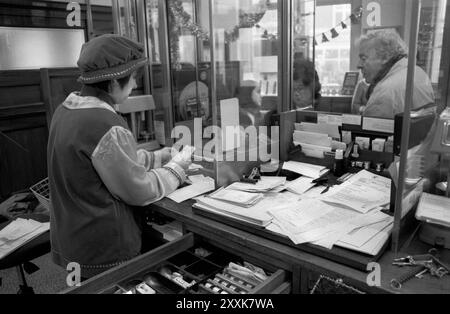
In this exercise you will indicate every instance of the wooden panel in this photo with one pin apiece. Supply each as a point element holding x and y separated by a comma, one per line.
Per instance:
<point>22,156</point>
<point>271,283</point>
<point>57,84</point>
<point>19,95</point>
<point>22,77</point>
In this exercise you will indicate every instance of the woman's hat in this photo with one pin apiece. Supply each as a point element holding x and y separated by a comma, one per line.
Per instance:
<point>109,57</point>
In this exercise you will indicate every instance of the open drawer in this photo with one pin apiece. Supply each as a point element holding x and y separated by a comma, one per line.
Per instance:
<point>186,266</point>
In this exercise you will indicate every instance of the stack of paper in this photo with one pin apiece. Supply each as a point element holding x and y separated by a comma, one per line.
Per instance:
<point>308,170</point>
<point>265,184</point>
<point>434,209</point>
<point>256,214</point>
<point>18,233</point>
<point>362,192</point>
<point>200,185</point>
<point>331,130</point>
<point>235,197</point>
<point>312,221</point>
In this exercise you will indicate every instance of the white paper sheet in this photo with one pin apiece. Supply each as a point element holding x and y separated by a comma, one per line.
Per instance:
<point>378,125</point>
<point>300,185</point>
<point>434,209</point>
<point>308,170</point>
<point>18,233</point>
<point>193,190</point>
<point>312,138</point>
<point>363,192</point>
<point>351,119</point>
<point>330,129</point>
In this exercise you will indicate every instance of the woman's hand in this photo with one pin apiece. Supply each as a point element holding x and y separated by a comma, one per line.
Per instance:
<point>164,155</point>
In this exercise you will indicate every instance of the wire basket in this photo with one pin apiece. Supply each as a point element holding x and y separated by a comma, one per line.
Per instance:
<point>42,192</point>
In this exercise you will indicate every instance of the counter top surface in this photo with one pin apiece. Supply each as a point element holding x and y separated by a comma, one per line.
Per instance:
<point>289,257</point>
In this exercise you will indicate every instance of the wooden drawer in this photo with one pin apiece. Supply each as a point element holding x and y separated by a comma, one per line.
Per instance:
<point>200,264</point>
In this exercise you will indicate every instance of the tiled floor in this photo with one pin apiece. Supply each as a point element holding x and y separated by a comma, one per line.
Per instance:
<point>49,279</point>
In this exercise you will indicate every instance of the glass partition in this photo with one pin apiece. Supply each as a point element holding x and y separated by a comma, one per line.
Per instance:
<point>423,165</point>
<point>246,53</point>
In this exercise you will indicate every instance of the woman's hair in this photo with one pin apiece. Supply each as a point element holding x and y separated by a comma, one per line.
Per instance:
<point>305,72</point>
<point>387,44</point>
<point>104,85</point>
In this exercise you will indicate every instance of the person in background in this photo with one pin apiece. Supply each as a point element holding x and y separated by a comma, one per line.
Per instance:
<point>359,99</point>
<point>249,97</point>
<point>383,63</point>
<point>306,85</point>
<point>96,174</point>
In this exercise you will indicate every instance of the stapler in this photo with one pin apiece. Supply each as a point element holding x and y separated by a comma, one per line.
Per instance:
<point>253,177</point>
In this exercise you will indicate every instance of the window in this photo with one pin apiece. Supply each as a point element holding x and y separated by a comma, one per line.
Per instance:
<point>34,48</point>
<point>332,57</point>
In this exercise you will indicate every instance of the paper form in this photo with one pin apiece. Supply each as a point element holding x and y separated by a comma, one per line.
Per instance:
<point>363,192</point>
<point>374,245</point>
<point>362,235</point>
<point>195,189</point>
<point>374,236</point>
<point>310,220</point>
<point>300,185</point>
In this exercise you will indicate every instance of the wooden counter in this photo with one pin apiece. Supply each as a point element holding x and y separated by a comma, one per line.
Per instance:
<point>304,266</point>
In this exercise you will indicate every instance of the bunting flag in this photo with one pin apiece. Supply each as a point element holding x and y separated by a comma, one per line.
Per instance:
<point>355,18</point>
<point>334,33</point>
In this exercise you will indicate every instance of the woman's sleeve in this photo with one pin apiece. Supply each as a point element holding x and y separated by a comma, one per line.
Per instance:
<point>128,174</point>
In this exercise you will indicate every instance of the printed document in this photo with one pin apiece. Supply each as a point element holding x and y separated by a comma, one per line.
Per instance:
<point>300,185</point>
<point>363,192</point>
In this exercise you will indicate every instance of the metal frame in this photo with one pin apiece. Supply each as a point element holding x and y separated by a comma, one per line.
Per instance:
<point>285,59</point>
<point>415,15</point>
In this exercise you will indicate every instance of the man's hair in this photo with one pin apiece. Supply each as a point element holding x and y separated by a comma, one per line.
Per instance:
<point>387,44</point>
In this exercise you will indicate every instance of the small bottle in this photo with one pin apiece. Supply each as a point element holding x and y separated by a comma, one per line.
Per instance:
<point>338,166</point>
<point>389,145</point>
<point>355,154</point>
